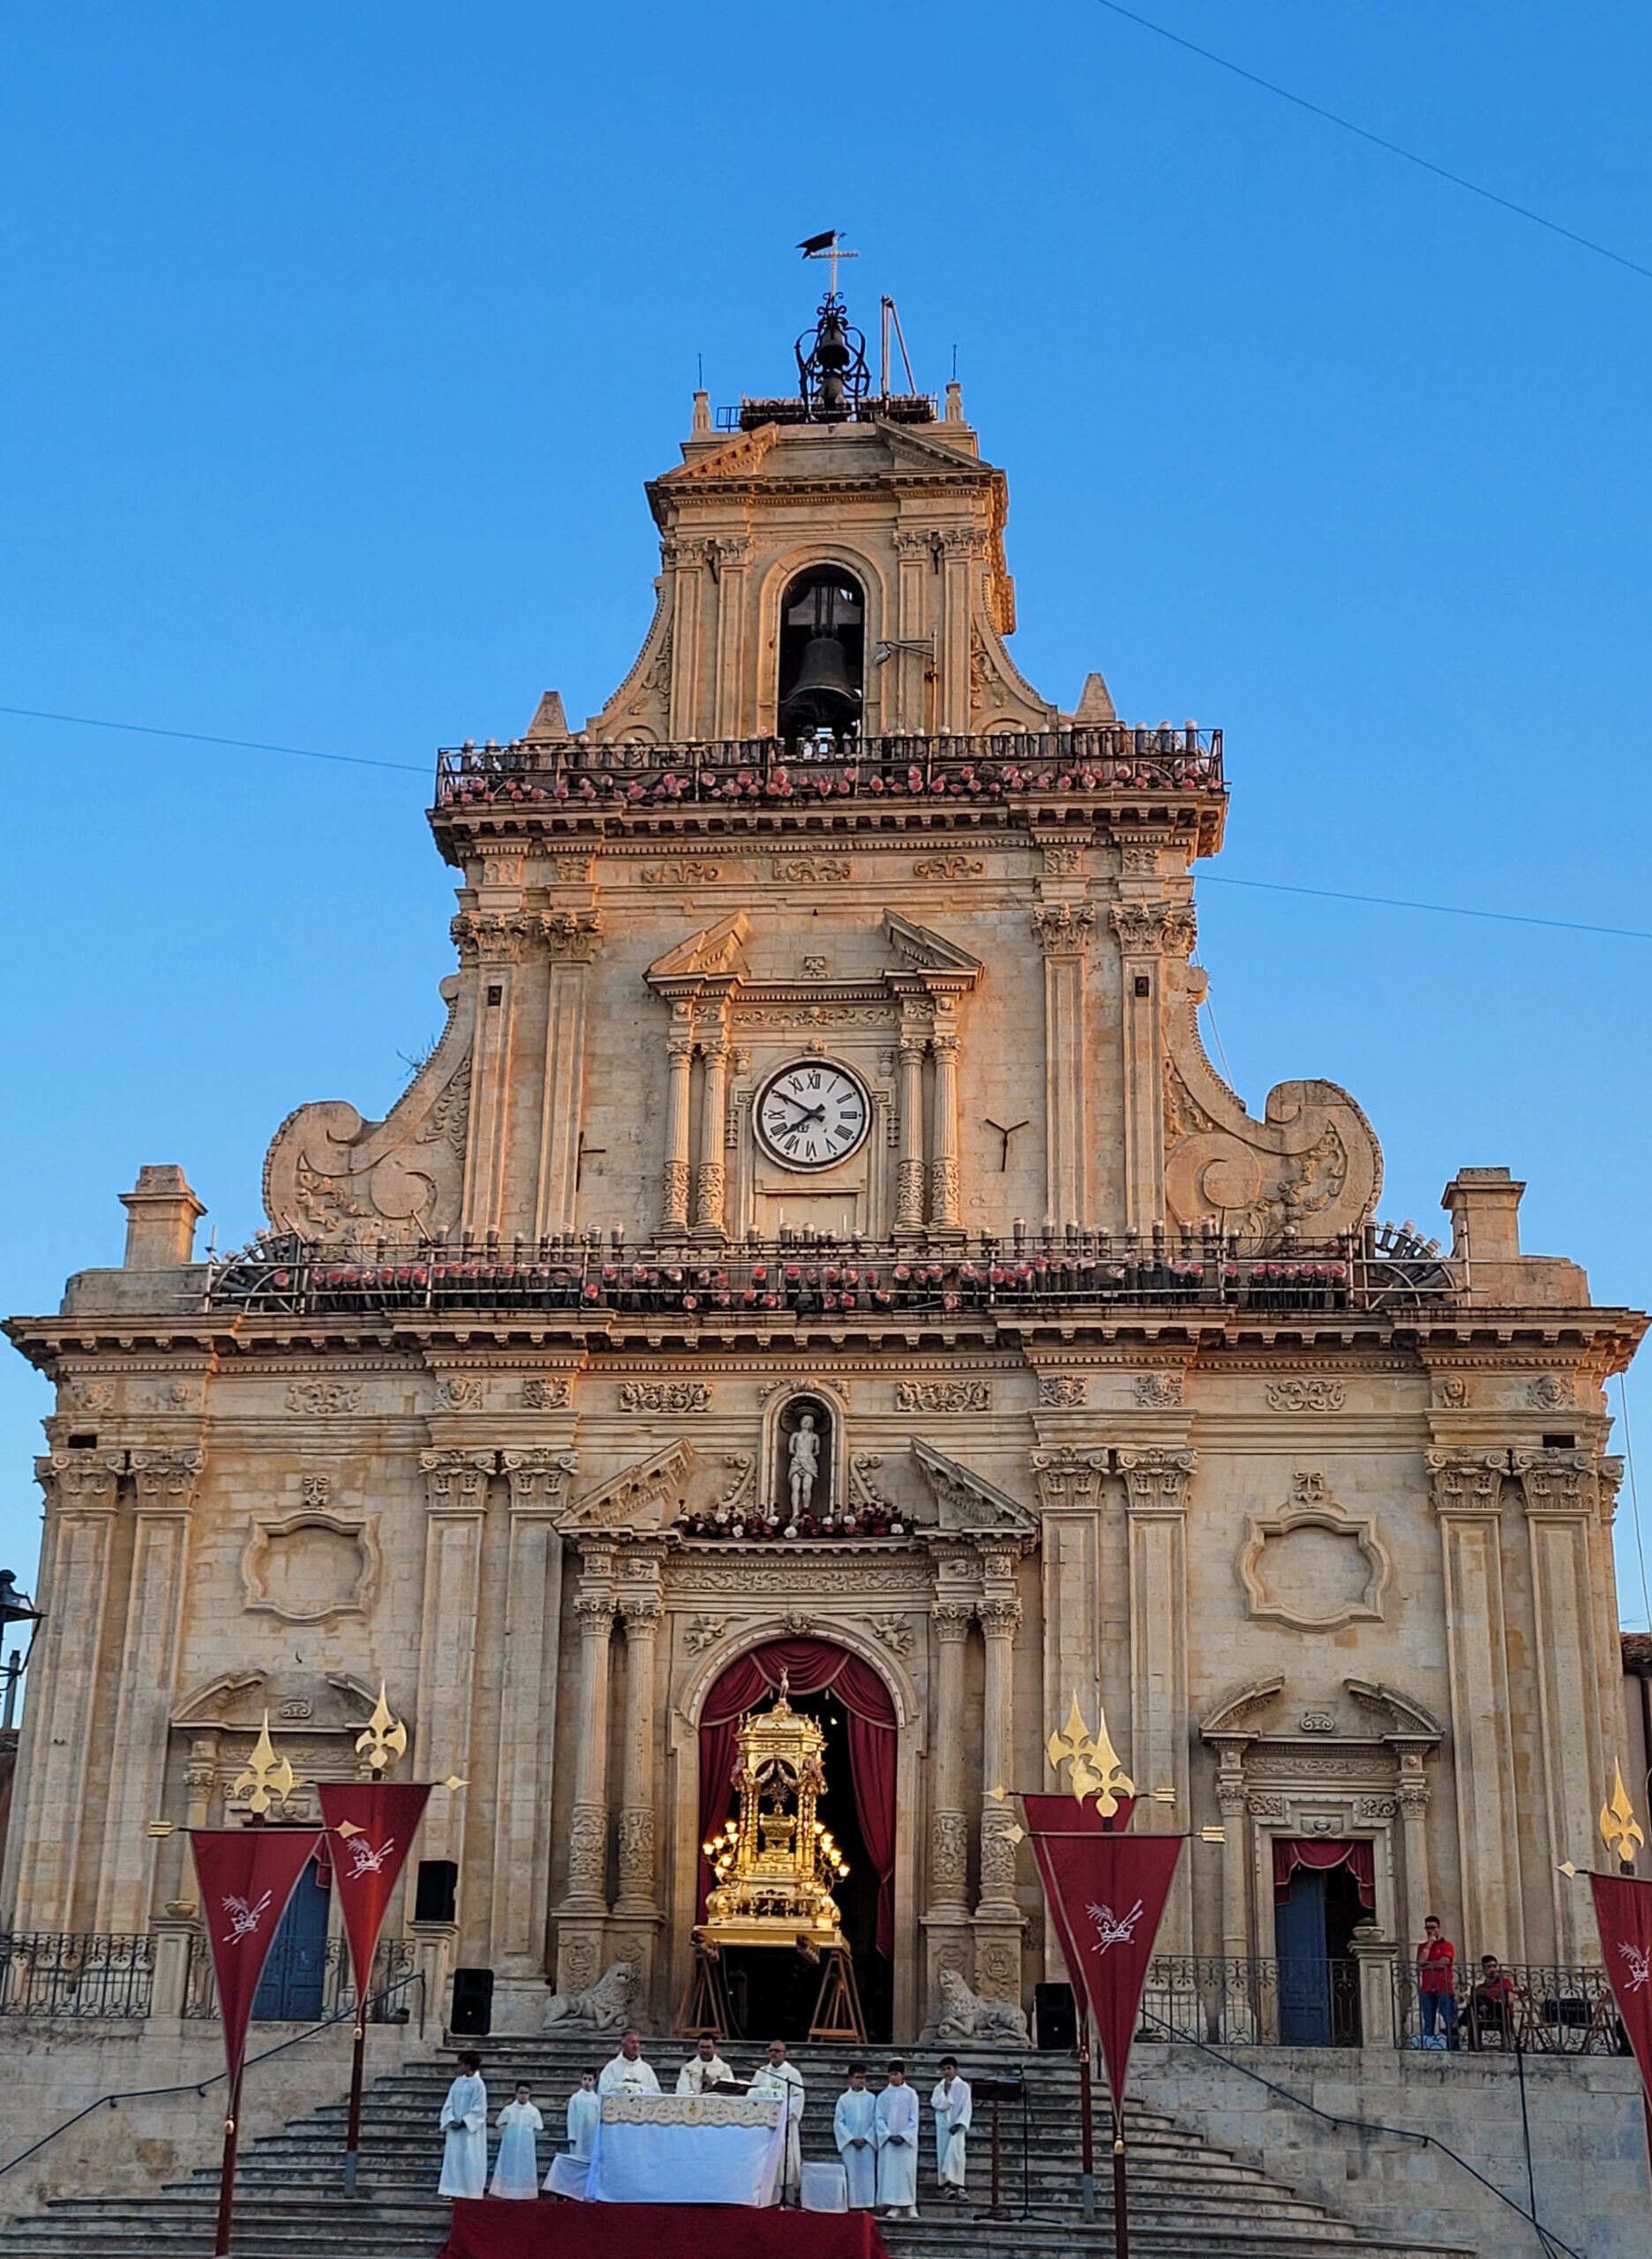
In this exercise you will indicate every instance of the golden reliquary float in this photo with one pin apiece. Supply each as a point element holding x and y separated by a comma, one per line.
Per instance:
<point>774,1865</point>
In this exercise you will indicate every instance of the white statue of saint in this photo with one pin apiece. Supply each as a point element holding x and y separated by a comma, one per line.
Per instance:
<point>803,1458</point>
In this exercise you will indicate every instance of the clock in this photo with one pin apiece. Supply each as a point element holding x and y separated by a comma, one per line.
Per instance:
<point>811,1115</point>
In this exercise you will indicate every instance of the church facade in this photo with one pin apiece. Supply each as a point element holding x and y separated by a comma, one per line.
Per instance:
<point>819,1236</point>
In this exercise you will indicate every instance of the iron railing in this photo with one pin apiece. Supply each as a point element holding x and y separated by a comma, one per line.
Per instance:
<point>75,1973</point>
<point>1108,759</point>
<point>855,1279</point>
<point>1539,2007</point>
<point>306,1980</point>
<point>1227,2002</point>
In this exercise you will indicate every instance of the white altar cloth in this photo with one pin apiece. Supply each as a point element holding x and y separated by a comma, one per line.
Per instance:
<point>687,2149</point>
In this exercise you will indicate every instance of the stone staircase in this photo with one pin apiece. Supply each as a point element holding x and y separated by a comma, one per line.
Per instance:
<point>1189,2200</point>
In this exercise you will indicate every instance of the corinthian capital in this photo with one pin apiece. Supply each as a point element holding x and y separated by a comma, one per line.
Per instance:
<point>1154,928</point>
<point>456,1481</point>
<point>1156,1482</point>
<point>1467,1482</point>
<point>1063,928</point>
<point>572,935</point>
<point>166,1478</point>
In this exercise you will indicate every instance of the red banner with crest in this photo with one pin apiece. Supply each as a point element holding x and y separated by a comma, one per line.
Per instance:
<point>247,1878</point>
<point>1623,1912</point>
<point>1106,1894</point>
<point>373,1823</point>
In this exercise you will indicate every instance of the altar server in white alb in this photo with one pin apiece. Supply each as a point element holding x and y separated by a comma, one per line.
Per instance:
<point>854,2130</point>
<point>584,2109</point>
<point>951,2102</point>
<point>464,2122</point>
<point>704,2069</point>
<point>627,2073</point>
<point>516,2167</point>
<point>777,2077</point>
<point>896,2123</point>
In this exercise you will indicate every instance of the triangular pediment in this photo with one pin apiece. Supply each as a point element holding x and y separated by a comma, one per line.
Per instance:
<point>970,1507</point>
<point>922,950</point>
<point>639,1496</point>
<point>742,454</point>
<point>912,447</point>
<point>706,955</point>
<point>1401,1715</point>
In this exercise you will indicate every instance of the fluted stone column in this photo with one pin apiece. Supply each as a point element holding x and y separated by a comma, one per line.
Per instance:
<point>909,1183</point>
<point>945,1191</point>
<point>56,1744</point>
<point>949,1822</point>
<point>165,1482</point>
<point>674,1212</point>
<point>539,1480</point>
<point>710,1176</point>
<point>582,1916</point>
<point>998,1923</point>
<point>1469,1507</point>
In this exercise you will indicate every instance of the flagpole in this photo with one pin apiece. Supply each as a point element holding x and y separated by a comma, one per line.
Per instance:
<point>1087,2127</point>
<point>358,2071</point>
<point>227,2170</point>
<point>1121,2191</point>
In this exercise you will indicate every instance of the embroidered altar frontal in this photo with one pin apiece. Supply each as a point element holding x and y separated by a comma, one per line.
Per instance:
<point>693,2149</point>
<point>490,2228</point>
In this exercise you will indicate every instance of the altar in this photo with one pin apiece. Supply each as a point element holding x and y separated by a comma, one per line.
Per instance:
<point>687,2149</point>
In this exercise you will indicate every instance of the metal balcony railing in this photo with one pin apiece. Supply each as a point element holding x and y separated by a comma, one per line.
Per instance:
<point>306,1979</point>
<point>1226,2001</point>
<point>769,774</point>
<point>75,1973</point>
<point>778,1281</point>
<point>1538,2007</point>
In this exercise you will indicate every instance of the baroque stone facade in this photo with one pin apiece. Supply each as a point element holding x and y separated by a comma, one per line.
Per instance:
<point>1108,1387</point>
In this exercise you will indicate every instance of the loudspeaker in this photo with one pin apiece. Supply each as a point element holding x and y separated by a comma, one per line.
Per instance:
<point>472,2017</point>
<point>436,1894</point>
<point>1055,2019</point>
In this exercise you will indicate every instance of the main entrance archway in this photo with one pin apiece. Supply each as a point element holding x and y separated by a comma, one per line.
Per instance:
<point>854,1707</point>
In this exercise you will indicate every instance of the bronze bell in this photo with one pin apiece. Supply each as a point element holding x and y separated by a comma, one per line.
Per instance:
<point>823,697</point>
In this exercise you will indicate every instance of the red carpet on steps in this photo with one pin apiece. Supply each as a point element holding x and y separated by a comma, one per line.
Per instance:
<point>490,2227</point>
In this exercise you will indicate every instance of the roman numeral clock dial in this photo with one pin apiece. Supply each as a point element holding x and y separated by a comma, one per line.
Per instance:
<point>811,1115</point>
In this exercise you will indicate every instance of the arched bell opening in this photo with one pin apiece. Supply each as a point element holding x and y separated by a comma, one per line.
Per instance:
<point>822,654</point>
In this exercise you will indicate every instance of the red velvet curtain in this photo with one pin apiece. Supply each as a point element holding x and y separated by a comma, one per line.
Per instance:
<point>811,1666</point>
<point>1318,1857</point>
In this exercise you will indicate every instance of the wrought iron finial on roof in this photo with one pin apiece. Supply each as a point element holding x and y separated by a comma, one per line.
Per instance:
<point>832,374</point>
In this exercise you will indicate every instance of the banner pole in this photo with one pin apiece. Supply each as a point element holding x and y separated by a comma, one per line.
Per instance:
<point>1086,2128</point>
<point>352,2138</point>
<point>227,2170</point>
<point>1121,2191</point>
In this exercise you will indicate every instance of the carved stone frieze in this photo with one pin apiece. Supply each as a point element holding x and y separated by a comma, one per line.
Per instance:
<point>1306,1396</point>
<point>943,1396</point>
<point>323,1400</point>
<point>673,1396</point>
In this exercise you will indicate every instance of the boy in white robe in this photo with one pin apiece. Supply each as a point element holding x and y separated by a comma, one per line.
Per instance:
<point>854,2132</point>
<point>704,2069</point>
<point>516,2167</point>
<point>895,2124</point>
<point>777,2077</point>
<point>464,2122</point>
<point>567,2176</point>
<point>951,2102</point>
<point>627,2073</point>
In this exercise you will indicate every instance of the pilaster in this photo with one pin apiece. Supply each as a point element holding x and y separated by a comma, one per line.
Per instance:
<point>680,1046</point>
<point>1063,930</point>
<point>457,1484</point>
<point>945,1188</point>
<point>998,1922</point>
<point>909,1184</point>
<point>1155,1498</point>
<point>710,1176</point>
<point>573,936</point>
<point>492,942</point>
<point>637,1915</point>
<point>165,1482</point>
<point>1146,932</point>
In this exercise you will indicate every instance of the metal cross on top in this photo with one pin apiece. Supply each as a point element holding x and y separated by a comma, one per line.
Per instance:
<point>828,247</point>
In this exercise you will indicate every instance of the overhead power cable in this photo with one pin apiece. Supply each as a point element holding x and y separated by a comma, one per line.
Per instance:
<point>1363,133</point>
<point>204,737</point>
<point>1438,909</point>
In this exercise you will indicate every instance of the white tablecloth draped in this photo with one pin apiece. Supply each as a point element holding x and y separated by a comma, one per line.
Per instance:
<point>687,2149</point>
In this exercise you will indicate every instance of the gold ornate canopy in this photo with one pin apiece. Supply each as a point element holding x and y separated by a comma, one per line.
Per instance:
<point>775,1863</point>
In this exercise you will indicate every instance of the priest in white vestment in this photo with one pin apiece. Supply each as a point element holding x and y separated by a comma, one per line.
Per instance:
<point>777,2077</point>
<point>627,2073</point>
<point>464,2122</point>
<point>516,2167</point>
<point>894,2122</point>
<point>704,2069</point>
<point>951,2102</point>
<point>855,2131</point>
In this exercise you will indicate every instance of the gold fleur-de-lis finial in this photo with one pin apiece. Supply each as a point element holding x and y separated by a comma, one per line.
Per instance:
<point>385,1737</point>
<point>267,1779</point>
<point>1096,1770</point>
<point>1620,1830</point>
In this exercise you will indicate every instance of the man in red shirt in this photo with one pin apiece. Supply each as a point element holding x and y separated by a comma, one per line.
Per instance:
<point>1437,1983</point>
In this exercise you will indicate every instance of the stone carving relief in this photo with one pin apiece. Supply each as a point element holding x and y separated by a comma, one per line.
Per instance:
<point>1057,1389</point>
<point>944,1396</point>
<point>1312,1164</point>
<point>546,1395</point>
<point>895,1631</point>
<point>310,1568</point>
<point>948,866</point>
<point>948,1853</point>
<point>811,870</point>
<point>324,1399</point>
<point>331,1176</point>
<point>703,1632</point>
<point>1306,1396</point>
<point>1312,1565</point>
<point>1451,1393</point>
<point>459,1395</point>
<point>315,1490</point>
<point>1066,1477</point>
<point>682,870</point>
<point>675,1396</point>
<point>1548,1394</point>
<point>1158,1392</point>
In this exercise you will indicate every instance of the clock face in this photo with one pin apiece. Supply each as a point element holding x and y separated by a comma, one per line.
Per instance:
<point>811,1115</point>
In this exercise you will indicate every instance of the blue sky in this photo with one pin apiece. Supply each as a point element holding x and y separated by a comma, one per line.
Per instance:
<point>341,341</point>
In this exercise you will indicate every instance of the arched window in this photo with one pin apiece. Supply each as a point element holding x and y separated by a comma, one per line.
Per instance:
<point>822,653</point>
